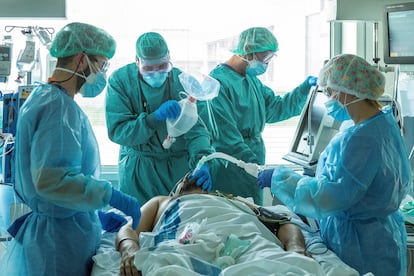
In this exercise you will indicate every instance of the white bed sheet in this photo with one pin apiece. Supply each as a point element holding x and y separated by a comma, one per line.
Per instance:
<point>263,257</point>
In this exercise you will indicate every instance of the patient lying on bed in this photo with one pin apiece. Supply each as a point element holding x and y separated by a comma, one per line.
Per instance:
<point>194,233</point>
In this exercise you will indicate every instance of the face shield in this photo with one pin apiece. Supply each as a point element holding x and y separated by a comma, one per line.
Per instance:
<point>164,67</point>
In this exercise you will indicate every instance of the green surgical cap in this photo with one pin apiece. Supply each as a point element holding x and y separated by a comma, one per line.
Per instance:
<point>76,38</point>
<point>151,46</point>
<point>255,40</point>
<point>353,75</point>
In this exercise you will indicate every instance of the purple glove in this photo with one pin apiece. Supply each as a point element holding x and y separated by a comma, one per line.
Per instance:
<point>127,204</point>
<point>203,178</point>
<point>311,80</point>
<point>168,110</point>
<point>264,179</point>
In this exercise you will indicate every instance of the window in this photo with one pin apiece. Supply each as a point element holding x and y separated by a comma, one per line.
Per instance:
<point>199,35</point>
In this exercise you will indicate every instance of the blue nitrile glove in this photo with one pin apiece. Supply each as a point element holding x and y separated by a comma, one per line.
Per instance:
<point>264,179</point>
<point>111,222</point>
<point>203,178</point>
<point>311,80</point>
<point>168,110</point>
<point>127,204</point>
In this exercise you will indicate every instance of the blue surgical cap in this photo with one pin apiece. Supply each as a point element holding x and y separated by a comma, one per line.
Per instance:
<point>77,37</point>
<point>353,75</point>
<point>151,46</point>
<point>255,40</point>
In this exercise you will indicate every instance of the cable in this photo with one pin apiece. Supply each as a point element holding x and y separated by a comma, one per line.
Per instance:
<point>8,138</point>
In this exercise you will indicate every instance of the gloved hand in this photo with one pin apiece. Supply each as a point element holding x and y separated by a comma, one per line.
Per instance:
<point>168,110</point>
<point>111,222</point>
<point>311,80</point>
<point>203,177</point>
<point>264,179</point>
<point>127,204</point>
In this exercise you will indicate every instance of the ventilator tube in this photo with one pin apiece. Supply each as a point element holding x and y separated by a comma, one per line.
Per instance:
<point>185,121</point>
<point>251,168</point>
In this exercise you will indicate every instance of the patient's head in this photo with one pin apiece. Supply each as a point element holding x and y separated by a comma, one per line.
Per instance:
<point>187,186</point>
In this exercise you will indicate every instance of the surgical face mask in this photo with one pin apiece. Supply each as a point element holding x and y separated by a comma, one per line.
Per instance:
<point>94,85</point>
<point>255,68</point>
<point>155,79</point>
<point>337,110</point>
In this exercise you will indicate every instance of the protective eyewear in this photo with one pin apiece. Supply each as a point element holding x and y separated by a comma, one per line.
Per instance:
<point>151,69</point>
<point>265,57</point>
<point>328,92</point>
<point>102,64</point>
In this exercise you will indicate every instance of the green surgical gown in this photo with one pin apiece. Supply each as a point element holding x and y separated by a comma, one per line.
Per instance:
<point>241,110</point>
<point>146,169</point>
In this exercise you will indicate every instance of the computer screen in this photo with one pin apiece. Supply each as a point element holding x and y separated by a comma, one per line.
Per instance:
<point>398,25</point>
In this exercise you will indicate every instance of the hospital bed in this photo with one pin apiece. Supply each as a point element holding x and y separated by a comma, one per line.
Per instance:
<point>166,256</point>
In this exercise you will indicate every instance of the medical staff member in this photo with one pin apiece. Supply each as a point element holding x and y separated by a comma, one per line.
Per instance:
<point>244,106</point>
<point>141,96</point>
<point>361,177</point>
<point>57,163</point>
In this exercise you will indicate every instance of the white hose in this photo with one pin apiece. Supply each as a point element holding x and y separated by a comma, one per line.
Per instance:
<point>251,168</point>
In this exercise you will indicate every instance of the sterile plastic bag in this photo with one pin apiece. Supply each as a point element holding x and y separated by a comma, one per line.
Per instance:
<point>200,86</point>
<point>186,120</point>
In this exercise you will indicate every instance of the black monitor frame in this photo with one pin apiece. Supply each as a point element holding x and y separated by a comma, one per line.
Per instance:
<point>393,9</point>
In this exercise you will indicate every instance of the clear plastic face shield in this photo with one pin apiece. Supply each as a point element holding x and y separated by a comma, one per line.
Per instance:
<point>263,57</point>
<point>152,66</point>
<point>165,67</point>
<point>154,74</point>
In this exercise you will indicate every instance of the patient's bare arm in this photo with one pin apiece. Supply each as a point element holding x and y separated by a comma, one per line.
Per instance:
<point>292,238</point>
<point>126,241</point>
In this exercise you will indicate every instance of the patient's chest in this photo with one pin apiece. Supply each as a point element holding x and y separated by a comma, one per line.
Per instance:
<point>214,215</point>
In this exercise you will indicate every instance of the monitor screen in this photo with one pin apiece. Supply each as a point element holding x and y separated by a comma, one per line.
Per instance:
<point>399,33</point>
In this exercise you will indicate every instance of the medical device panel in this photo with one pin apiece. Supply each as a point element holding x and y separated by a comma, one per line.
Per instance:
<point>398,22</point>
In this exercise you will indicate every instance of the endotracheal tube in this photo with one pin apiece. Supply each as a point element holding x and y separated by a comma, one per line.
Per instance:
<point>251,168</point>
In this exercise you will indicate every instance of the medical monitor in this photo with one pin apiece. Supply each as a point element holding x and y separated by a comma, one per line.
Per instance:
<point>398,26</point>
<point>313,133</point>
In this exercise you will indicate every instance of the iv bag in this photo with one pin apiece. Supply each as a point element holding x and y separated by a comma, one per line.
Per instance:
<point>26,59</point>
<point>200,86</point>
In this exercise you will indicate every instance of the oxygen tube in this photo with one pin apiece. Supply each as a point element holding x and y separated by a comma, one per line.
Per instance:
<point>251,168</point>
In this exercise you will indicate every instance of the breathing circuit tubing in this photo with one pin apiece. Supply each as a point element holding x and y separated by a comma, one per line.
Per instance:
<point>251,168</point>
